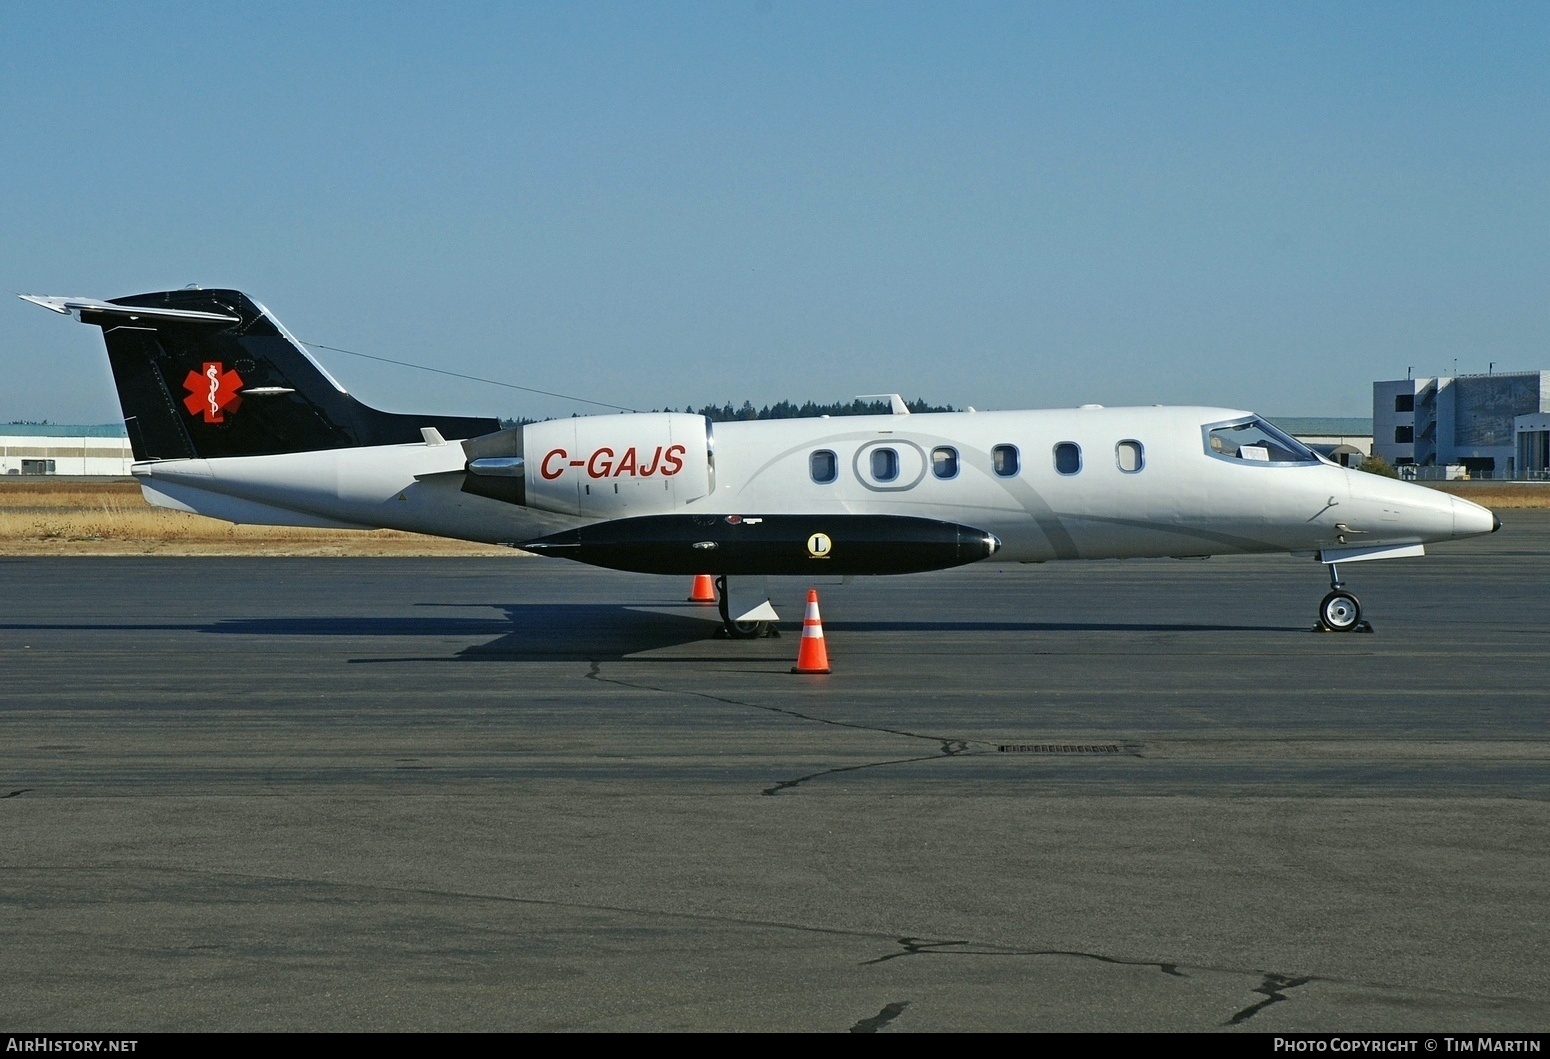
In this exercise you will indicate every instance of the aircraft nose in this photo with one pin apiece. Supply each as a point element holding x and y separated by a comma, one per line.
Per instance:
<point>1472,520</point>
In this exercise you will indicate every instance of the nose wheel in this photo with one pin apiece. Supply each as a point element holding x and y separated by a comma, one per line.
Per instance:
<point>1340,611</point>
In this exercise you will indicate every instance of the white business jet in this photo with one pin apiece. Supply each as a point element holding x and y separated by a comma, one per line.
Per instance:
<point>230,417</point>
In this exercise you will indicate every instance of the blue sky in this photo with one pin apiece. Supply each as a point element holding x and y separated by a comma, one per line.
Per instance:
<point>1005,205</point>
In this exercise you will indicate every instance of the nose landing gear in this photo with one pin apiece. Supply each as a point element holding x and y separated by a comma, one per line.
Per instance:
<point>1340,611</point>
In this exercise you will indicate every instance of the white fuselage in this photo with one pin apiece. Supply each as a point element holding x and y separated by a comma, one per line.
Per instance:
<point>1146,482</point>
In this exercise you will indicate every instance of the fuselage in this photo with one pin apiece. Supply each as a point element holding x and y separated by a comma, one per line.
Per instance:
<point>1083,483</point>
<point>230,416</point>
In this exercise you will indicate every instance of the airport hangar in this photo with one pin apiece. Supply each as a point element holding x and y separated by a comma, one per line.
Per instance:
<point>34,449</point>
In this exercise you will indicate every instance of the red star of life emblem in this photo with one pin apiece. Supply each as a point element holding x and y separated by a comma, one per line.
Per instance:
<point>212,392</point>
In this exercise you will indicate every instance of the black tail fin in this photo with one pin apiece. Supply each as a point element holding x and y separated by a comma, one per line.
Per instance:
<point>205,373</point>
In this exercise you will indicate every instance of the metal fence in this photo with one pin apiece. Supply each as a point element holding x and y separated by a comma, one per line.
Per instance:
<point>1455,473</point>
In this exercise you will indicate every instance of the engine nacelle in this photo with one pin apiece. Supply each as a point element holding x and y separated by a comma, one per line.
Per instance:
<point>616,466</point>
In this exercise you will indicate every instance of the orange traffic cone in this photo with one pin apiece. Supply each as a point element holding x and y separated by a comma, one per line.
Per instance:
<point>812,655</point>
<point>704,590</point>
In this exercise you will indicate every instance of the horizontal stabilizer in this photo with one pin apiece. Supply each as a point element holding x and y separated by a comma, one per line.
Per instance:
<point>80,306</point>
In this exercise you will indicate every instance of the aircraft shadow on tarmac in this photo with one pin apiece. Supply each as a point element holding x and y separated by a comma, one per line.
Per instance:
<point>595,632</point>
<point>535,631</point>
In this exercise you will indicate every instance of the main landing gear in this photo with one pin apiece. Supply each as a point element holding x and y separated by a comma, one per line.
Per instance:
<point>1340,611</point>
<point>739,630</point>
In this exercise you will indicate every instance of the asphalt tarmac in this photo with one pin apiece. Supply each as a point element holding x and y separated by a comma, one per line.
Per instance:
<point>448,794</point>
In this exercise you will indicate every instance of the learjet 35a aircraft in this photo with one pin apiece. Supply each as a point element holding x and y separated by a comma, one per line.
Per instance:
<point>230,417</point>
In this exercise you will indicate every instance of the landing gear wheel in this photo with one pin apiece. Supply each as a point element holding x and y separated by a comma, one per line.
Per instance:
<point>1340,611</point>
<point>746,630</point>
<point>738,630</point>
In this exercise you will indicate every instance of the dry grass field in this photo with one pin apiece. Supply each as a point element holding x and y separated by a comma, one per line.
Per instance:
<point>61,516</point>
<point>1502,495</point>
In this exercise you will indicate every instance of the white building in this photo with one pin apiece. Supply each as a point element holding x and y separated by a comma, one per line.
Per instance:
<point>47,448</point>
<point>1473,421</point>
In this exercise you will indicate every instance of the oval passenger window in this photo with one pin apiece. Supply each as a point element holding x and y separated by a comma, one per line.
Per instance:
<point>823,466</point>
<point>885,465</point>
<point>1068,457</point>
<point>1004,459</point>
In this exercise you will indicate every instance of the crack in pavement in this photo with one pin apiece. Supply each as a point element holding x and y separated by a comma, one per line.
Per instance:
<point>595,673</point>
<point>445,892</point>
<point>922,947</point>
<point>1273,987</point>
<point>882,1018</point>
<point>1270,988</point>
<point>949,747</point>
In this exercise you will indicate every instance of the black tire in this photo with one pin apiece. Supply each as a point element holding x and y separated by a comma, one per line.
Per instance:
<point>746,630</point>
<point>1340,611</point>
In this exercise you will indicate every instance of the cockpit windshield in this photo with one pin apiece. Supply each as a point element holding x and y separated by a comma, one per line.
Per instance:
<point>1254,440</point>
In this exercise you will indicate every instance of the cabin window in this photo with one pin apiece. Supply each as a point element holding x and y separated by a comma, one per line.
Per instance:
<point>885,465</point>
<point>1068,457</point>
<point>1130,456</point>
<point>944,462</point>
<point>824,466</point>
<point>1253,440</point>
<point>1004,460</point>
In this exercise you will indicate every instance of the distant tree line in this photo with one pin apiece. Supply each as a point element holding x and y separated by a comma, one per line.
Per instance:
<point>806,410</point>
<point>785,410</point>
